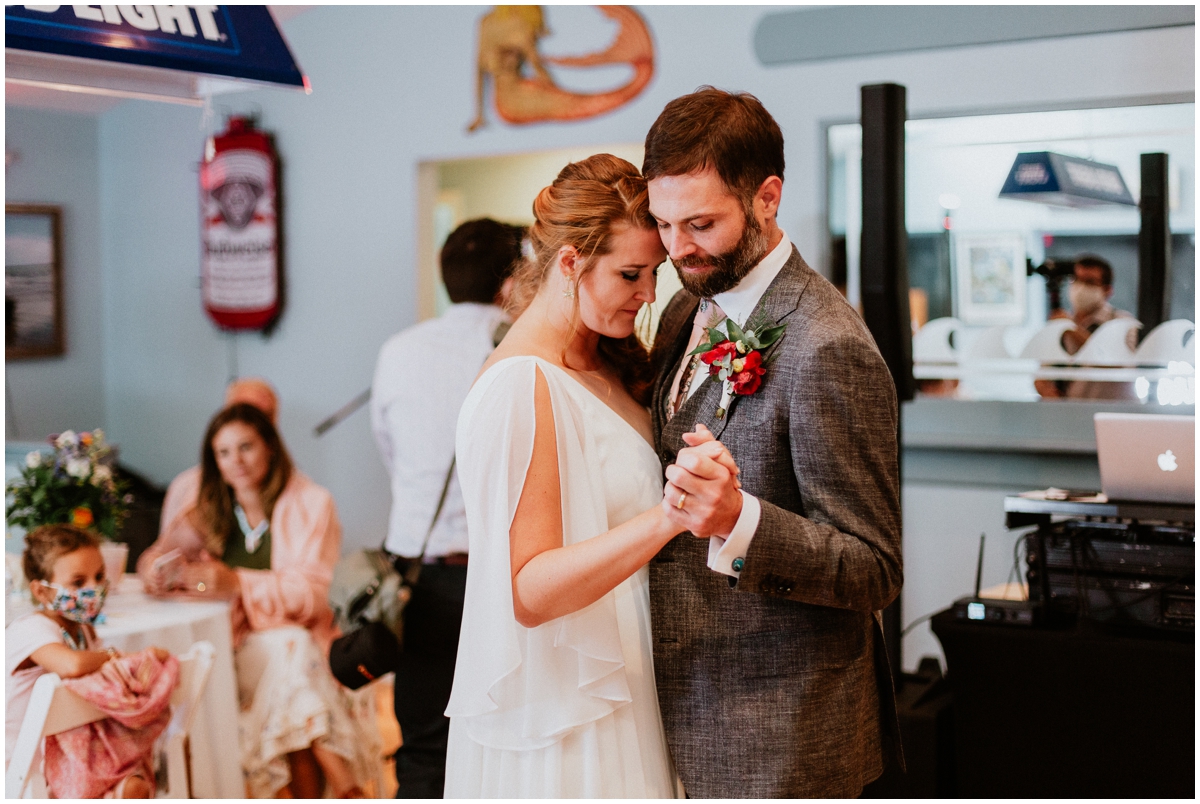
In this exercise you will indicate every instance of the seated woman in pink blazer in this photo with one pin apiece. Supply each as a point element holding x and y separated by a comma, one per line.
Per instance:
<point>252,529</point>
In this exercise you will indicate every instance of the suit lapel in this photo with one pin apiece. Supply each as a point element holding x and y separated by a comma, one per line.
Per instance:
<point>783,294</point>
<point>780,300</point>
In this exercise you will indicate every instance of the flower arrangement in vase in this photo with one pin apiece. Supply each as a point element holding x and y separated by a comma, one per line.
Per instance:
<point>75,485</point>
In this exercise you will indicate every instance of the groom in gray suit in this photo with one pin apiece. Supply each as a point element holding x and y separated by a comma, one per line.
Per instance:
<point>767,640</point>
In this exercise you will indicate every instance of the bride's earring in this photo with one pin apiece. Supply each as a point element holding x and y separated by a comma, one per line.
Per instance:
<point>569,291</point>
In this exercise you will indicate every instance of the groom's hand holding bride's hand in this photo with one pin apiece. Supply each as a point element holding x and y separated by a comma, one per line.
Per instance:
<point>704,478</point>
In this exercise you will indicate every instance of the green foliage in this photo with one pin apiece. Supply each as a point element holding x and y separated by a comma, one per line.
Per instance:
<point>75,485</point>
<point>760,333</point>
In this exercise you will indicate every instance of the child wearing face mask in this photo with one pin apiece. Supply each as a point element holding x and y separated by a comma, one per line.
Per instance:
<point>67,581</point>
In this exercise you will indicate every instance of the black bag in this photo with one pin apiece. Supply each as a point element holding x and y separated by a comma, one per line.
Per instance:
<point>368,596</point>
<point>364,654</point>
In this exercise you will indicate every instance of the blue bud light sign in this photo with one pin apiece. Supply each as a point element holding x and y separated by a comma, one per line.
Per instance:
<point>236,41</point>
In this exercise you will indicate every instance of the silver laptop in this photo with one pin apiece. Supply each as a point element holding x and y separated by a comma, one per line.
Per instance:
<point>1147,457</point>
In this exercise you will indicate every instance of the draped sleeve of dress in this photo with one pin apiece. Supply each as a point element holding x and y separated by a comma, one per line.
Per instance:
<point>567,708</point>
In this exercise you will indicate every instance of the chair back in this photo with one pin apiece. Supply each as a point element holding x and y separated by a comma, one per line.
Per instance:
<point>53,709</point>
<point>935,342</point>
<point>1046,344</point>
<point>194,668</point>
<point>1109,344</point>
<point>1171,341</point>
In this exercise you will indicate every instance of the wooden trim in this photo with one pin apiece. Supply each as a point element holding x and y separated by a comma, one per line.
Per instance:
<point>58,344</point>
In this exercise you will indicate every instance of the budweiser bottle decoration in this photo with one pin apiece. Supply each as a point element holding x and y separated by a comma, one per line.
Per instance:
<point>240,228</point>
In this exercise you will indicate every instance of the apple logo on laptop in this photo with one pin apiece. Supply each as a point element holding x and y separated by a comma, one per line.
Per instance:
<point>1166,462</point>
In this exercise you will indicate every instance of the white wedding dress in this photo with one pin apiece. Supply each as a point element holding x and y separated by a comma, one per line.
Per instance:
<point>567,709</point>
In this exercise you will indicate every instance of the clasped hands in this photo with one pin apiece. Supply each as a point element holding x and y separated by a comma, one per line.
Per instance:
<point>702,489</point>
<point>205,577</point>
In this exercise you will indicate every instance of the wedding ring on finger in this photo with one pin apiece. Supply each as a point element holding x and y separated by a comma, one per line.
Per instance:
<point>682,498</point>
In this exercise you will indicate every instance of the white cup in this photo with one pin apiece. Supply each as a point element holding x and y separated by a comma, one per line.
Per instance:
<point>115,556</point>
<point>14,574</point>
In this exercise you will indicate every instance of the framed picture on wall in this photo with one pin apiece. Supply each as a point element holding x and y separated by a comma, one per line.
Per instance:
<point>33,302</point>
<point>989,275</point>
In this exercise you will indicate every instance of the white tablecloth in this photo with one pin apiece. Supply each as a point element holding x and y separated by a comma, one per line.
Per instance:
<point>137,621</point>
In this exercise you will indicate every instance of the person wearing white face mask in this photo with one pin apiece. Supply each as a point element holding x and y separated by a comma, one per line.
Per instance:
<point>1089,291</point>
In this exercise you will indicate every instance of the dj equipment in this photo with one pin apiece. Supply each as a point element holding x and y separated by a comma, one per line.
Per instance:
<point>991,610</point>
<point>1131,565</point>
<point>997,612</point>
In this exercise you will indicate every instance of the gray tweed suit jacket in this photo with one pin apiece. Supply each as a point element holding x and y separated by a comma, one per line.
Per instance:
<point>775,684</point>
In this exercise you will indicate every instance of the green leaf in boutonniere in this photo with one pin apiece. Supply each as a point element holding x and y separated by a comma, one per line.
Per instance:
<point>713,337</point>
<point>768,335</point>
<point>736,333</point>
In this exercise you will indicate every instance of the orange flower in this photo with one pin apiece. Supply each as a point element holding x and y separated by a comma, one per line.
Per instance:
<point>85,439</point>
<point>82,517</point>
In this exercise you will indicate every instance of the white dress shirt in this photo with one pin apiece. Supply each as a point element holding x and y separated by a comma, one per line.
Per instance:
<point>422,377</point>
<point>738,304</point>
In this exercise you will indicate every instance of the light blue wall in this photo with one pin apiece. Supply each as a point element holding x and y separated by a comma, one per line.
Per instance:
<point>57,162</point>
<point>164,365</point>
<point>393,86</point>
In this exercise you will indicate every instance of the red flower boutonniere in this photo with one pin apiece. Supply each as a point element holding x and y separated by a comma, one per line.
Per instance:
<point>735,356</point>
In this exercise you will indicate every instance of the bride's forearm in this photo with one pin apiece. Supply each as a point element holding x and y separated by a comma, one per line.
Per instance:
<point>566,579</point>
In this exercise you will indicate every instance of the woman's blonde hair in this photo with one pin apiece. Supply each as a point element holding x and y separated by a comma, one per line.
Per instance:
<point>580,209</point>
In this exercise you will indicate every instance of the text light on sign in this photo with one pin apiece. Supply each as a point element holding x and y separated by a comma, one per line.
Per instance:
<point>1065,181</point>
<point>238,42</point>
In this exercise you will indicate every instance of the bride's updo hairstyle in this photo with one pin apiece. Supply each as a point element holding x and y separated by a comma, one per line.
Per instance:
<point>581,208</point>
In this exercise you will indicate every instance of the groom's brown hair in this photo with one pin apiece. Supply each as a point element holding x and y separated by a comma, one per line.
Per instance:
<point>729,131</point>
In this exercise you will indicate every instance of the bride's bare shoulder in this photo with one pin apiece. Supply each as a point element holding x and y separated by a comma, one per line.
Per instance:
<point>518,347</point>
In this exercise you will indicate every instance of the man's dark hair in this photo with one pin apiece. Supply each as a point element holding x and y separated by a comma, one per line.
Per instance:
<point>1093,261</point>
<point>729,131</point>
<point>477,257</point>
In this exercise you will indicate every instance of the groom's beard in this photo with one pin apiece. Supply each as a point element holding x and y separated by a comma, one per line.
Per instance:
<point>726,269</point>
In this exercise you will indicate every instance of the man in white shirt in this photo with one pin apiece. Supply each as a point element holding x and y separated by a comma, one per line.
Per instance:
<point>422,377</point>
<point>765,615</point>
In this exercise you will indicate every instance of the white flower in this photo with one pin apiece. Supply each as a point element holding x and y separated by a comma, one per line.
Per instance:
<point>742,347</point>
<point>101,475</point>
<point>738,365</point>
<point>33,460</point>
<point>67,439</point>
<point>97,436</point>
<point>79,467</point>
<point>726,396</point>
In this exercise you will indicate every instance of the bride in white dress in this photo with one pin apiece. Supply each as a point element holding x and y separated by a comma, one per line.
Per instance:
<point>554,692</point>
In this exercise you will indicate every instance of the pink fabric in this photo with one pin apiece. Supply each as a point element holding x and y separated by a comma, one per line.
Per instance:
<point>306,540</point>
<point>135,692</point>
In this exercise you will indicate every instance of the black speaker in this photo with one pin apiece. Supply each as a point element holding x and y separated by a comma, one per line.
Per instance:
<point>884,262</point>
<point>1154,245</point>
<point>884,253</point>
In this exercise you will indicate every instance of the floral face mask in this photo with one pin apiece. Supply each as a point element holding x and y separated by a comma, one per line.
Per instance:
<point>79,605</point>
